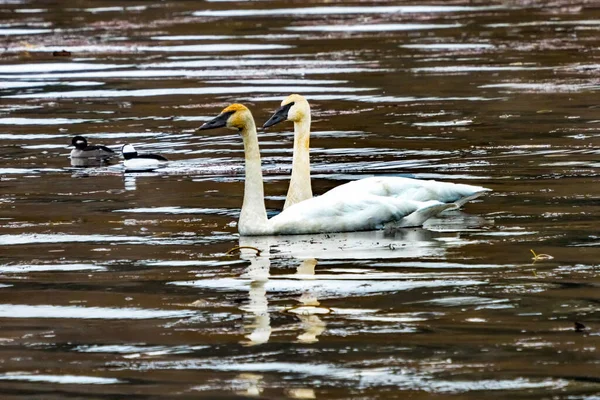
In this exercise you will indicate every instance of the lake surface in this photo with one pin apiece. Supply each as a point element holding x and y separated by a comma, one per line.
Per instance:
<point>118,285</point>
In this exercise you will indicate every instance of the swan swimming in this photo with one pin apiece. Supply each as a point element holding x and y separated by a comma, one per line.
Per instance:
<point>295,108</point>
<point>141,162</point>
<point>314,215</point>
<point>82,150</point>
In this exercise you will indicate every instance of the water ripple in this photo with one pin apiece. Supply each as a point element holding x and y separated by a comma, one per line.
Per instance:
<point>78,312</point>
<point>60,379</point>
<point>22,269</point>
<point>372,28</point>
<point>333,287</point>
<point>333,10</point>
<point>188,91</point>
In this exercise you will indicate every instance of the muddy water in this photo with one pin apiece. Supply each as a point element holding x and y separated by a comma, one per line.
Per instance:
<point>117,285</point>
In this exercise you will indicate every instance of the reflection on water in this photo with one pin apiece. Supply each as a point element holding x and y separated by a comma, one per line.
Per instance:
<point>116,285</point>
<point>398,243</point>
<point>307,283</point>
<point>258,305</point>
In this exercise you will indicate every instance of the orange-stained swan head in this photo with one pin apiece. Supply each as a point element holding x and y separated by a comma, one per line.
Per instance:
<point>235,116</point>
<point>293,108</point>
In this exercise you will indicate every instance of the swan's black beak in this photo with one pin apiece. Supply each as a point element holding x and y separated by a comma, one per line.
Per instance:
<point>280,115</point>
<point>218,122</point>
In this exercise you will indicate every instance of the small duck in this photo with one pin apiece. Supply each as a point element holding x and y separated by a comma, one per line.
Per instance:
<point>82,150</point>
<point>141,162</point>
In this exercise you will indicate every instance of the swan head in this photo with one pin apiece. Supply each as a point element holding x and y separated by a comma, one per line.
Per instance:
<point>235,116</point>
<point>293,108</point>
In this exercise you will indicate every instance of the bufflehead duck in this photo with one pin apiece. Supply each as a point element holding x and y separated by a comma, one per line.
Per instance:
<point>141,162</point>
<point>82,150</point>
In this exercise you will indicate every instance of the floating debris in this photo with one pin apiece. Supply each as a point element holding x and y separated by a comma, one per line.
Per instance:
<point>309,310</point>
<point>579,327</point>
<point>539,257</point>
<point>62,53</point>
<point>231,251</point>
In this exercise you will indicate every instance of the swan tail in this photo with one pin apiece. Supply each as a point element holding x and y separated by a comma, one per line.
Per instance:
<point>428,210</point>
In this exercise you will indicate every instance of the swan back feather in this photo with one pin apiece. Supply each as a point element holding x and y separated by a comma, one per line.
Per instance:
<point>413,189</point>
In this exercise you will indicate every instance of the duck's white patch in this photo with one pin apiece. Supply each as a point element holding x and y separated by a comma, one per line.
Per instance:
<point>143,164</point>
<point>128,148</point>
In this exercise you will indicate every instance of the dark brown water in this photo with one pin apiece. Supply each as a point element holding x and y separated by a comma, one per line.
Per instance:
<point>117,285</point>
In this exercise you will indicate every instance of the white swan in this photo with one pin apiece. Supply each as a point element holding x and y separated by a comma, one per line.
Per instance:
<point>295,108</point>
<point>318,214</point>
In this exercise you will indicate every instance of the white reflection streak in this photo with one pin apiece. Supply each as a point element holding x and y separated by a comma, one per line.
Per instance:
<point>129,181</point>
<point>372,28</point>
<point>341,10</point>
<point>189,91</point>
<point>313,326</point>
<point>259,273</point>
<point>253,384</point>
<point>258,305</point>
<point>301,393</point>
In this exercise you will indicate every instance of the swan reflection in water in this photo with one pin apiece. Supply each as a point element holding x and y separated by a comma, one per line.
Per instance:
<point>309,309</point>
<point>311,287</point>
<point>305,252</point>
<point>258,306</point>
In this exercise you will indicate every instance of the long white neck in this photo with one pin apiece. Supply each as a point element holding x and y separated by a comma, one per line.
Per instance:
<point>253,217</point>
<point>300,187</point>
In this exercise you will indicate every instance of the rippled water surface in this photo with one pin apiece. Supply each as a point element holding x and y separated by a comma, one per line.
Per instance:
<point>118,285</point>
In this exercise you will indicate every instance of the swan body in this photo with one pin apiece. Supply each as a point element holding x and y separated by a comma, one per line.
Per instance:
<point>141,162</point>
<point>295,108</point>
<point>82,150</point>
<point>408,188</point>
<point>314,215</point>
<point>362,213</point>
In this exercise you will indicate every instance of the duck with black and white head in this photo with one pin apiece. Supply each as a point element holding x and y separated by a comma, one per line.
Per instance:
<point>136,162</point>
<point>84,155</point>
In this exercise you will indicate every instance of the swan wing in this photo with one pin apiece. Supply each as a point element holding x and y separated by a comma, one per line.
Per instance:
<point>410,189</point>
<point>357,213</point>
